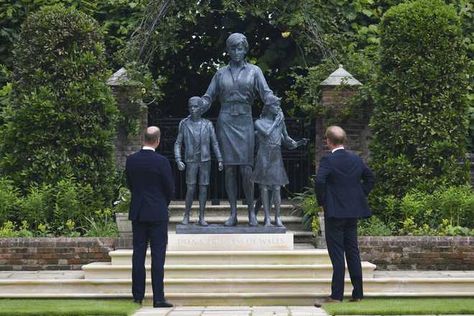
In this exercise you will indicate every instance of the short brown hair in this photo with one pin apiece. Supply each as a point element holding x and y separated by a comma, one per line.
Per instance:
<point>336,135</point>
<point>152,135</point>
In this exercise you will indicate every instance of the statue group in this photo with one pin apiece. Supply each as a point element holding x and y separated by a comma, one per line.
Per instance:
<point>236,86</point>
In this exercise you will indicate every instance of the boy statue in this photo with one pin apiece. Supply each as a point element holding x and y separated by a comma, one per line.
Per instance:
<point>198,136</point>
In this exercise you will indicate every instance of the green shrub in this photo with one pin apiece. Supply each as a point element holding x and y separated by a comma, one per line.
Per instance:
<point>373,226</point>
<point>122,204</point>
<point>61,120</point>
<point>8,230</point>
<point>37,205</point>
<point>60,209</point>
<point>306,204</point>
<point>101,224</point>
<point>419,123</point>
<point>456,204</point>
<point>447,211</point>
<point>9,200</point>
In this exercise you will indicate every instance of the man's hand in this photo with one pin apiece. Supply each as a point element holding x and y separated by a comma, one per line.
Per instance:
<point>220,166</point>
<point>181,165</point>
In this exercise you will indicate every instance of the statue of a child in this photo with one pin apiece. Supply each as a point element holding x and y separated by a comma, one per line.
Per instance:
<point>269,171</point>
<point>198,136</point>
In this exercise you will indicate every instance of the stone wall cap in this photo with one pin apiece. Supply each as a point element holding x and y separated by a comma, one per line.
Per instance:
<point>119,78</point>
<point>340,77</point>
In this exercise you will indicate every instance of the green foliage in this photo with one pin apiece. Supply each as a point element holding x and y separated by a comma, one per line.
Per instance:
<point>373,226</point>
<point>306,204</point>
<point>59,209</point>
<point>8,230</point>
<point>66,208</point>
<point>447,211</point>
<point>122,204</point>
<point>419,123</point>
<point>37,205</point>
<point>61,120</point>
<point>101,225</point>
<point>9,199</point>
<point>470,135</point>
<point>404,306</point>
<point>117,18</point>
<point>186,40</point>
<point>70,307</point>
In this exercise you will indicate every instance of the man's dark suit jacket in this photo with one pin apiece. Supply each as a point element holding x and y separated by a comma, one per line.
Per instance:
<point>150,180</point>
<point>342,184</point>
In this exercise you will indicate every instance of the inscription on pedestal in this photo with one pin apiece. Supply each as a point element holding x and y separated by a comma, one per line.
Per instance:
<point>231,242</point>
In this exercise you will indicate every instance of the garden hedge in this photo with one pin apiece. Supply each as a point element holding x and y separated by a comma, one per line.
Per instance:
<point>60,123</point>
<point>420,121</point>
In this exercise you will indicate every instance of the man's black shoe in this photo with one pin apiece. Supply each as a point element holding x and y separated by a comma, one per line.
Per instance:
<point>137,301</point>
<point>326,300</point>
<point>164,304</point>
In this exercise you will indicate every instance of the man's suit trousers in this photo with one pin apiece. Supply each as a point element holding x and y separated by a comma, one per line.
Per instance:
<point>156,233</point>
<point>341,238</point>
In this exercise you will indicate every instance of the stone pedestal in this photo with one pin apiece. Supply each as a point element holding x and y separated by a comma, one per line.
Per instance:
<point>230,242</point>
<point>215,237</point>
<point>221,229</point>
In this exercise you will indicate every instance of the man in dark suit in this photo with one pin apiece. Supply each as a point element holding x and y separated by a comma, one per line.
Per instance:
<point>151,183</point>
<point>342,184</point>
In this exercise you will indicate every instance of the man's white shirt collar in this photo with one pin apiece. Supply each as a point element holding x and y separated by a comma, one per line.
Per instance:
<point>337,148</point>
<point>148,148</point>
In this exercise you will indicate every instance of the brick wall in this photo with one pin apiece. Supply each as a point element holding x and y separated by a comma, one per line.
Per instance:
<point>356,126</point>
<point>125,143</point>
<point>421,253</point>
<point>31,254</point>
<point>388,253</point>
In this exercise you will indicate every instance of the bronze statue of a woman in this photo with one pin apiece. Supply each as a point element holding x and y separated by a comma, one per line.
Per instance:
<point>236,86</point>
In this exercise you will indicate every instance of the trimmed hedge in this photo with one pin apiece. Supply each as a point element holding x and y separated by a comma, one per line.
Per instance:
<point>419,123</point>
<point>62,117</point>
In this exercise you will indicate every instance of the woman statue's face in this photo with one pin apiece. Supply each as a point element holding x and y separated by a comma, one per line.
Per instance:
<point>237,52</point>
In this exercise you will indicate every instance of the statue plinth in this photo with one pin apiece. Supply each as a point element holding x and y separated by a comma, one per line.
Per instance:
<point>221,229</point>
<point>230,242</point>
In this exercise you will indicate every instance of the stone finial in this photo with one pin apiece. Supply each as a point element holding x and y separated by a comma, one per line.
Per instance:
<point>119,78</point>
<point>340,77</point>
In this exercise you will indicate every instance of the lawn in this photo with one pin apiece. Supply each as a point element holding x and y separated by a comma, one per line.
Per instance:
<point>403,306</point>
<point>69,307</point>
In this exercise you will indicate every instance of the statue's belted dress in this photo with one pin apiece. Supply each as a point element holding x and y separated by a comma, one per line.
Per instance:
<point>269,168</point>
<point>236,93</point>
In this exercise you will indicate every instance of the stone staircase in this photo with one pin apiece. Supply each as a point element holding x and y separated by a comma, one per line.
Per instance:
<point>252,270</point>
<point>295,277</point>
<point>253,278</point>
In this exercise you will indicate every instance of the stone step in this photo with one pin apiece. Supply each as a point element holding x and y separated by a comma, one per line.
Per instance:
<point>216,210</point>
<point>231,291</point>
<point>291,223</point>
<point>105,270</point>
<point>280,257</point>
<point>224,206</point>
<point>303,237</point>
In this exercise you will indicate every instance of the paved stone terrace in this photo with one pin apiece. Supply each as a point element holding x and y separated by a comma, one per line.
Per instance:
<point>232,311</point>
